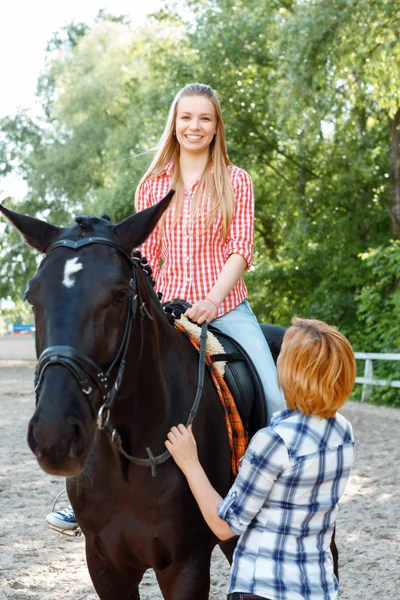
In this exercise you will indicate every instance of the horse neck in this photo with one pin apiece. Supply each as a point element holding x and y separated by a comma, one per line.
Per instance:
<point>145,400</point>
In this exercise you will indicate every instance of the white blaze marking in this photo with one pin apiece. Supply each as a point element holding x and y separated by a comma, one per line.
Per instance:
<point>71,266</point>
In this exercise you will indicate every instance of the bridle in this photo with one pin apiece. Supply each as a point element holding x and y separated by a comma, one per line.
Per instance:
<point>85,369</point>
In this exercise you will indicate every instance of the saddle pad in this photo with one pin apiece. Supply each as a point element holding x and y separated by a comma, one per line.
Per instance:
<point>213,345</point>
<point>237,434</point>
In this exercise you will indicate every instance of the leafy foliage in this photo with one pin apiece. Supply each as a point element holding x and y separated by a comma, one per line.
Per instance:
<point>378,311</point>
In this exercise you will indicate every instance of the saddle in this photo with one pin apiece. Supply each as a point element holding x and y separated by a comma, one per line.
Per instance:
<point>240,374</point>
<point>243,379</point>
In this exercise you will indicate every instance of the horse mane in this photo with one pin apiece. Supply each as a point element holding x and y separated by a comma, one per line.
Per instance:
<point>85,222</point>
<point>88,223</point>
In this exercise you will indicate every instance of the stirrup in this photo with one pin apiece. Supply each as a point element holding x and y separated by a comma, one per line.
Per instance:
<point>76,532</point>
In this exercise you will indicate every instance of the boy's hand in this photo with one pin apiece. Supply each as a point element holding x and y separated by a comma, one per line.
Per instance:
<point>182,447</point>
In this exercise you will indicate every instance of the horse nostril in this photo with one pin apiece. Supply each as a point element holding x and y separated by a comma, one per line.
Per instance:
<point>77,439</point>
<point>31,437</point>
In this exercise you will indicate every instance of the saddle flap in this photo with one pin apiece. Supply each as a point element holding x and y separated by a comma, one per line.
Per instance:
<point>243,382</point>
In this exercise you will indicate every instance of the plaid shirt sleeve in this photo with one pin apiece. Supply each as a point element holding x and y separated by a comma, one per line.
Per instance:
<point>265,459</point>
<point>241,232</point>
<point>151,248</point>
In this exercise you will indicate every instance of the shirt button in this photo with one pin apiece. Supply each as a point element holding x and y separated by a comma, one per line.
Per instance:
<point>188,236</point>
<point>188,258</point>
<point>188,279</point>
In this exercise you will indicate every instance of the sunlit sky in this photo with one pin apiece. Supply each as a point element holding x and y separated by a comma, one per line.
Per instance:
<point>25,28</point>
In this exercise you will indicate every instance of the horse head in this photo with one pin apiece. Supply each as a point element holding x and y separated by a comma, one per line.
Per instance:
<point>82,296</point>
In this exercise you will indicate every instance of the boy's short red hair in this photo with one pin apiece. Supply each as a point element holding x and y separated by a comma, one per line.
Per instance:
<point>316,368</point>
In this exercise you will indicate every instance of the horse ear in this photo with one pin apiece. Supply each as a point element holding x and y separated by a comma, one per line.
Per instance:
<point>36,233</point>
<point>134,230</point>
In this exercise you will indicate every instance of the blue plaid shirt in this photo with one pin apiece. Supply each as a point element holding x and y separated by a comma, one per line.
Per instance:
<point>284,503</point>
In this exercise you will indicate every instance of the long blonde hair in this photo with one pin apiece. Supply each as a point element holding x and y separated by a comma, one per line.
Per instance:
<point>316,368</point>
<point>215,182</point>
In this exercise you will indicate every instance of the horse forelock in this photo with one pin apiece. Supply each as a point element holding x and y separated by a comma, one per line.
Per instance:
<point>86,226</point>
<point>88,223</point>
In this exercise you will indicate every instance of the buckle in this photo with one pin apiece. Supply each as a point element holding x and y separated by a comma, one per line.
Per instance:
<point>101,417</point>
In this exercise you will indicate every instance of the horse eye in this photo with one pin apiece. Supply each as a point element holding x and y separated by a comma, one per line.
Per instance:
<point>120,296</point>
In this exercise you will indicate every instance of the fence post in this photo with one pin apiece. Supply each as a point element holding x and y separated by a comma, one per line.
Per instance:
<point>368,374</point>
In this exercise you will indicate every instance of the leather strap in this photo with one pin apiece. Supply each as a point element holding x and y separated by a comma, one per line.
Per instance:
<point>86,242</point>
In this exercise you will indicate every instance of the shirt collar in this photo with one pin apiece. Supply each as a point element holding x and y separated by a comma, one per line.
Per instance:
<point>169,168</point>
<point>281,415</point>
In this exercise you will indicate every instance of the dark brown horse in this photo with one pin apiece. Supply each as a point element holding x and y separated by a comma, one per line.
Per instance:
<point>104,344</point>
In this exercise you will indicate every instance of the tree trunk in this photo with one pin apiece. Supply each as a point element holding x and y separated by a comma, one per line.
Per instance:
<point>395,172</point>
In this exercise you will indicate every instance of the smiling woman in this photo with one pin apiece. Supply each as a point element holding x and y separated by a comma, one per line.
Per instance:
<point>196,124</point>
<point>205,239</point>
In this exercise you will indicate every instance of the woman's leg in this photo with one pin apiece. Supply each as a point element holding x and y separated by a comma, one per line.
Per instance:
<point>241,324</point>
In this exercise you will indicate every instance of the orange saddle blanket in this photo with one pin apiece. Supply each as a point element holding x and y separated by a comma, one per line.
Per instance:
<point>237,434</point>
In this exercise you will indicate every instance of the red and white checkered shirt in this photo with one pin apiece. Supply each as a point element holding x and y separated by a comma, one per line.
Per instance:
<point>192,256</point>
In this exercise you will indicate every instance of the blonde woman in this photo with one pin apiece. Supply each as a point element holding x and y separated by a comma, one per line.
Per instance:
<point>205,240</point>
<point>284,501</point>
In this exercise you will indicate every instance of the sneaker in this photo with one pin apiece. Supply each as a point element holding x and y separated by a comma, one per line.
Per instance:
<point>63,519</point>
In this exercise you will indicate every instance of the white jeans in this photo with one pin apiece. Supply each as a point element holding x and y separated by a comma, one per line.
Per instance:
<point>241,324</point>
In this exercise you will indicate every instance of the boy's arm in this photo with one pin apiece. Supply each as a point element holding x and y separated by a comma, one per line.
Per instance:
<point>208,500</point>
<point>262,464</point>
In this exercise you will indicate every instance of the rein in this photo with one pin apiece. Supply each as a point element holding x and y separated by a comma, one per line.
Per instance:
<point>83,368</point>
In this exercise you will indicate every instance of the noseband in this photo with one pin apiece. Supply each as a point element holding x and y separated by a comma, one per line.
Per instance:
<point>85,369</point>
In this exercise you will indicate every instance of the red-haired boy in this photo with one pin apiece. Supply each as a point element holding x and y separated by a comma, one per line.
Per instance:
<point>284,501</point>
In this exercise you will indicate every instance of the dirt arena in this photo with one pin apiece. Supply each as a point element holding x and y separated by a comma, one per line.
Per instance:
<point>36,563</point>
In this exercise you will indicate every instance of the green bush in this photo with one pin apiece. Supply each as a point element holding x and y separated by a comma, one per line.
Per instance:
<point>378,316</point>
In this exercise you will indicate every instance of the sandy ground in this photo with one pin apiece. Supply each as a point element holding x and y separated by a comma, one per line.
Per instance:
<point>37,563</point>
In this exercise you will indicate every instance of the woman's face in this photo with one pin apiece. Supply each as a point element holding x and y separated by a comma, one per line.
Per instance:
<point>196,123</point>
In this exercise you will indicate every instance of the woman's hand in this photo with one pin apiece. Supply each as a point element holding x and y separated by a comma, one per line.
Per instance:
<point>204,311</point>
<point>182,447</point>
